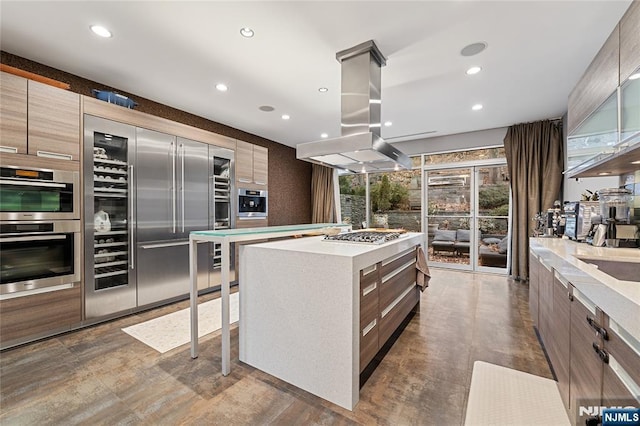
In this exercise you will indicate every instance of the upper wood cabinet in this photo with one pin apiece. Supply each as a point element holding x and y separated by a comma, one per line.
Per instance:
<point>630,41</point>
<point>251,164</point>
<point>39,119</point>
<point>599,81</point>
<point>53,122</point>
<point>13,113</point>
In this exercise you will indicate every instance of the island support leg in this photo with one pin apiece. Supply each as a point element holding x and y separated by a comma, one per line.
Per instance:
<point>226,336</point>
<point>193,279</point>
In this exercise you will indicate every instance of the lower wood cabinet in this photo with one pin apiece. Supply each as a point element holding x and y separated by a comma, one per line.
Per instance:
<point>545,300</point>
<point>388,293</point>
<point>621,376</point>
<point>558,347</point>
<point>39,315</point>
<point>534,291</point>
<point>586,365</point>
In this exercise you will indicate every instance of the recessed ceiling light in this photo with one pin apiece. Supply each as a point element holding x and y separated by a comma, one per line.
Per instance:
<point>222,87</point>
<point>324,135</point>
<point>634,76</point>
<point>604,173</point>
<point>266,108</point>
<point>101,31</point>
<point>477,107</point>
<point>285,116</point>
<point>247,32</point>
<point>388,123</point>
<point>396,167</point>
<point>473,49</point>
<point>473,70</point>
<point>635,162</point>
<point>323,90</point>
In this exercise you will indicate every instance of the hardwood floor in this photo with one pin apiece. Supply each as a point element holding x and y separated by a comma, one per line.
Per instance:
<point>101,375</point>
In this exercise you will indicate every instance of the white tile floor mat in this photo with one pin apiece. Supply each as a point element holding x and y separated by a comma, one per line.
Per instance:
<point>503,396</point>
<point>173,330</point>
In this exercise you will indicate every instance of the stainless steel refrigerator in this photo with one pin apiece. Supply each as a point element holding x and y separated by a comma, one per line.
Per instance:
<point>172,176</point>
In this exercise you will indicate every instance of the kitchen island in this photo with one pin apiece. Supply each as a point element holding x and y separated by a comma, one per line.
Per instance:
<point>314,313</point>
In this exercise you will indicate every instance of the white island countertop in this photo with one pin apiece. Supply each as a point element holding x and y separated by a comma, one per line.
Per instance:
<point>617,298</point>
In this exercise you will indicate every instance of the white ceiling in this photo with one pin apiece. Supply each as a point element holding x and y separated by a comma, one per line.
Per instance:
<point>174,52</point>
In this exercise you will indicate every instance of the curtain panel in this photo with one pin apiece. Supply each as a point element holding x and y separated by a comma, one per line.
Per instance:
<point>323,206</point>
<point>535,160</point>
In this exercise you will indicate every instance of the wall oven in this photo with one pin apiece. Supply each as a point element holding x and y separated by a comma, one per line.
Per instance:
<point>39,194</point>
<point>38,254</point>
<point>252,203</point>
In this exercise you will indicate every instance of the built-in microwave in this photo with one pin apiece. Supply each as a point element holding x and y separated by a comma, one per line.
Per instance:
<point>39,194</point>
<point>252,203</point>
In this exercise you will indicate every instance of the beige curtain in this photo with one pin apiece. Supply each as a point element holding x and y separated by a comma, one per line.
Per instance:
<point>322,195</point>
<point>535,160</point>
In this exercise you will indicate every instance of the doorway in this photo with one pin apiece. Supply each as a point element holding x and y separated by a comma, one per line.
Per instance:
<point>468,215</point>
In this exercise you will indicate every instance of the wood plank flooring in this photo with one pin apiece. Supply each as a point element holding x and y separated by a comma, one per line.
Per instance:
<point>101,375</point>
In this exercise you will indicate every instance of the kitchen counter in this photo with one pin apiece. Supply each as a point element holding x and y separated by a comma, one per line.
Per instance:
<point>619,299</point>
<point>300,309</point>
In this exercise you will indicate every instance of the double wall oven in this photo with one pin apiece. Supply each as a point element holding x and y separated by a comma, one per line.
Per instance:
<point>40,243</point>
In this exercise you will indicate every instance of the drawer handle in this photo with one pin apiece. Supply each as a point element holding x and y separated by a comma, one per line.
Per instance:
<point>54,155</point>
<point>604,356</point>
<point>244,180</point>
<point>369,289</point>
<point>570,296</point>
<point>598,328</point>
<point>8,149</point>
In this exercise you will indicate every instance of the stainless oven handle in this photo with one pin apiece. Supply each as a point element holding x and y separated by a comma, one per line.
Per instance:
<point>33,238</point>
<point>182,184</point>
<point>131,250</point>
<point>30,183</point>
<point>173,189</point>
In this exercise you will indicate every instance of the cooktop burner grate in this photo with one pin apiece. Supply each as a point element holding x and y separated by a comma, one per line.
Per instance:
<point>367,237</point>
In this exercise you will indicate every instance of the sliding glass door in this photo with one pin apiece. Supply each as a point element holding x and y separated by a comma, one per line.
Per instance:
<point>467,216</point>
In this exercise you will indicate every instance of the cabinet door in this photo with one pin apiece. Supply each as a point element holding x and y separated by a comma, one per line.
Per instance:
<point>369,314</point>
<point>13,110</point>
<point>260,165</point>
<point>599,81</point>
<point>545,305</point>
<point>629,41</point>
<point>622,372</point>
<point>586,366</point>
<point>559,349</point>
<point>38,314</point>
<point>54,122</point>
<point>244,162</point>
<point>534,268</point>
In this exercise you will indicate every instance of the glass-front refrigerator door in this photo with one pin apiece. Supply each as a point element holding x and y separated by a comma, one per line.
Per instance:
<point>109,215</point>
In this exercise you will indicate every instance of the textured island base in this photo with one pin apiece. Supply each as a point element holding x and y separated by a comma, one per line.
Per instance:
<point>300,311</point>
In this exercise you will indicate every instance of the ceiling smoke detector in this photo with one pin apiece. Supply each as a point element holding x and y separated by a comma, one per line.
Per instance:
<point>473,48</point>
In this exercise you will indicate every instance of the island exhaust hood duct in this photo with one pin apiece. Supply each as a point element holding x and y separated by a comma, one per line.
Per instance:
<point>360,148</point>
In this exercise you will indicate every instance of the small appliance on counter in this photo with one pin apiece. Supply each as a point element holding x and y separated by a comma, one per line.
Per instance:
<point>621,199</point>
<point>579,217</point>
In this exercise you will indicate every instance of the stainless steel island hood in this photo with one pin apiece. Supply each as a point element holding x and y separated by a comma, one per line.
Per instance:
<point>360,148</point>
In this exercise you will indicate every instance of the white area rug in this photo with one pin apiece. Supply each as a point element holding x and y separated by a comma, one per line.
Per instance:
<point>174,329</point>
<point>503,396</point>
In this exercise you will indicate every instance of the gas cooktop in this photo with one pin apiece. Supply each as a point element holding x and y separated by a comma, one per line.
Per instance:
<point>366,237</point>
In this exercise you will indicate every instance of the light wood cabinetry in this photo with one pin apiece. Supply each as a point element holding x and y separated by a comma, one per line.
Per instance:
<point>534,288</point>
<point>54,122</point>
<point>13,111</point>
<point>630,41</point>
<point>251,165</point>
<point>595,361</point>
<point>545,304</point>
<point>39,315</point>
<point>586,366</point>
<point>599,81</point>
<point>39,119</point>
<point>388,293</point>
<point>558,347</point>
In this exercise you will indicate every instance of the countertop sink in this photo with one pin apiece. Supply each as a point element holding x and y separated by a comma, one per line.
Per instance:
<point>619,269</point>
